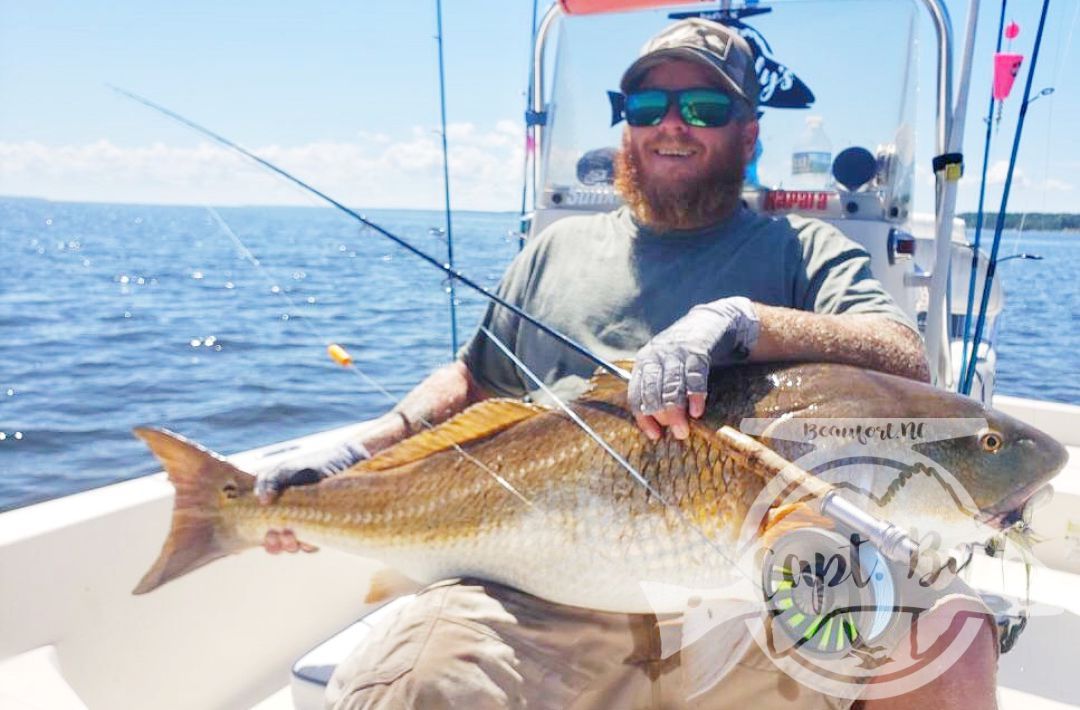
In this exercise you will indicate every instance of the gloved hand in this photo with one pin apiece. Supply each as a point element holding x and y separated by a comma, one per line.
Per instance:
<point>312,468</point>
<point>672,369</point>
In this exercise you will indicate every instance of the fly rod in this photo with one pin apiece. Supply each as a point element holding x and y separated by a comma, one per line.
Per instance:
<point>445,268</point>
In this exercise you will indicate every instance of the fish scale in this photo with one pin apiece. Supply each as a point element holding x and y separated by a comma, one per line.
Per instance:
<point>599,504</point>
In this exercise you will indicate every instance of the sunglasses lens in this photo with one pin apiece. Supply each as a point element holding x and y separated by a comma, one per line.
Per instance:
<point>705,108</point>
<point>646,108</point>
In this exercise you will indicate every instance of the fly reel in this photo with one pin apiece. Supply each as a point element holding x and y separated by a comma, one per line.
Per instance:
<point>828,594</point>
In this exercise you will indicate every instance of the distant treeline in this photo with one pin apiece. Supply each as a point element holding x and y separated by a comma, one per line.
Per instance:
<point>1042,221</point>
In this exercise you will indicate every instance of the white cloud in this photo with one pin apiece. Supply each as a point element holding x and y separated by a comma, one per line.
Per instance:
<point>374,170</point>
<point>1055,185</point>
<point>997,172</point>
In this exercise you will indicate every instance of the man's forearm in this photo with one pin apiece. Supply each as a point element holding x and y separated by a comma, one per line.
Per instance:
<point>440,396</point>
<point>866,340</point>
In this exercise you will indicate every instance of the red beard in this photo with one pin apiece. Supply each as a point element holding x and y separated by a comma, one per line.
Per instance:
<point>664,205</point>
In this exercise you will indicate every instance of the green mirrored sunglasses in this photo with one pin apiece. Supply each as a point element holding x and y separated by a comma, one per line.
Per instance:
<point>701,108</point>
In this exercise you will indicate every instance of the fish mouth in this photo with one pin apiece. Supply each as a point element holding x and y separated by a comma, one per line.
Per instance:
<point>1004,520</point>
<point>1022,512</point>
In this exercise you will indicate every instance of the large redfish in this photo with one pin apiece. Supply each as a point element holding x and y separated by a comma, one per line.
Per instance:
<point>519,494</point>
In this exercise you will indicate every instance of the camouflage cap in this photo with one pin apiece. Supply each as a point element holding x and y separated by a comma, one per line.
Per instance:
<point>711,44</point>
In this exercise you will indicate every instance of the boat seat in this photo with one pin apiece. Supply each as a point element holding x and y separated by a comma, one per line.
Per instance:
<point>312,671</point>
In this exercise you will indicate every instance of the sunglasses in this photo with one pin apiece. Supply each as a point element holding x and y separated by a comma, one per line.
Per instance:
<point>701,108</point>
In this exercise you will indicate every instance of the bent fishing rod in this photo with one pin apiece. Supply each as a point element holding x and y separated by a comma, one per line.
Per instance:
<point>445,268</point>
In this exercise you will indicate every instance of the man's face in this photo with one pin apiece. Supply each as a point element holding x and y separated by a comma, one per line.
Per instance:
<point>675,170</point>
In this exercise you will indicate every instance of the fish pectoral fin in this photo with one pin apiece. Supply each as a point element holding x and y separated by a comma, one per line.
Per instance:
<point>477,422</point>
<point>387,584</point>
<point>794,516</point>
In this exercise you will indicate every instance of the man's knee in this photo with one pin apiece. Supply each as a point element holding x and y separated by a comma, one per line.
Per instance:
<point>436,653</point>
<point>428,685</point>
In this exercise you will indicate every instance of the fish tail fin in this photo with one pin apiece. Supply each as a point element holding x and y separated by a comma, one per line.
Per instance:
<point>198,534</point>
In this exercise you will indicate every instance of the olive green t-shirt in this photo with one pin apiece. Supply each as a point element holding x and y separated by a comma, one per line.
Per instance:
<point>611,285</point>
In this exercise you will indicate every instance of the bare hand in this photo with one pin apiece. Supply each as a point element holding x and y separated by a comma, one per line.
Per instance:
<point>284,541</point>
<point>674,417</point>
<point>312,469</point>
<point>670,378</point>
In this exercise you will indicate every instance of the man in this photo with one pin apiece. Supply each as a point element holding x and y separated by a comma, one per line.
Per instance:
<point>683,278</point>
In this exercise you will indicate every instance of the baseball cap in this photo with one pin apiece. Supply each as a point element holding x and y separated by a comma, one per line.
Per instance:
<point>705,42</point>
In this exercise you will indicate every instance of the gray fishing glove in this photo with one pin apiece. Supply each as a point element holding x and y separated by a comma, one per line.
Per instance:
<point>311,469</point>
<point>676,361</point>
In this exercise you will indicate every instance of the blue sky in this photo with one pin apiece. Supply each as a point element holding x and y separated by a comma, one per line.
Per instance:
<point>346,94</point>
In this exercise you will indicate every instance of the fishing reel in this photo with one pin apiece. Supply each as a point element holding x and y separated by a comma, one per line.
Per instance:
<point>828,594</point>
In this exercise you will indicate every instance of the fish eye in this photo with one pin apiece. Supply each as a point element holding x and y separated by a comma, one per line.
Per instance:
<point>991,441</point>
<point>230,489</point>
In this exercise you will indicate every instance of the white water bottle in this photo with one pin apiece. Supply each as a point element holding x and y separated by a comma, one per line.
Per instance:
<point>811,160</point>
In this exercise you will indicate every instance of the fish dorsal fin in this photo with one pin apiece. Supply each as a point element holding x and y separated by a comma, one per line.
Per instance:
<point>604,385</point>
<point>477,422</point>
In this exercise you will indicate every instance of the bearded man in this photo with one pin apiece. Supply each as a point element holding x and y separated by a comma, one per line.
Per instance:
<point>682,278</point>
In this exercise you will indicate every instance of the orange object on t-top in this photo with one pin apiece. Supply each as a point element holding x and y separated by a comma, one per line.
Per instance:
<point>591,7</point>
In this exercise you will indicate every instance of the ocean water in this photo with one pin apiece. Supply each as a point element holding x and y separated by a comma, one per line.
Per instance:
<point>1039,331</point>
<point>116,316</point>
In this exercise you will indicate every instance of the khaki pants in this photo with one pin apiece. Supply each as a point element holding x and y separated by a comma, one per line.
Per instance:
<point>478,645</point>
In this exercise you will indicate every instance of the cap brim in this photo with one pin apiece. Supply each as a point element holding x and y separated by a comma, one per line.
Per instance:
<point>637,71</point>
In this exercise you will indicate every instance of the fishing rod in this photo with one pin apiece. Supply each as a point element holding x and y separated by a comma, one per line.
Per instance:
<point>453,273</point>
<point>991,266</point>
<point>530,140</point>
<point>342,357</point>
<point>446,182</point>
<point>973,279</point>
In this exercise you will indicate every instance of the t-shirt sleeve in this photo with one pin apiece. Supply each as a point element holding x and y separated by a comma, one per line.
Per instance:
<point>492,369</point>
<point>835,276</point>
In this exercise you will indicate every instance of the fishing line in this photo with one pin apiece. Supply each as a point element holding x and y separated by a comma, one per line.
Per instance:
<point>257,264</point>
<point>247,254</point>
<point>618,372</point>
<point>254,261</point>
<point>446,268</point>
<point>626,465</point>
<point>1054,75</point>
<point>359,372</point>
<point>573,415</point>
